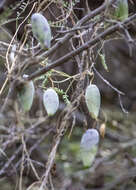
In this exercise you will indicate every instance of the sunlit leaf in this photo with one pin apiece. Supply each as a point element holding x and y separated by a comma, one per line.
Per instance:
<point>89,146</point>
<point>41,30</point>
<point>93,100</point>
<point>51,101</point>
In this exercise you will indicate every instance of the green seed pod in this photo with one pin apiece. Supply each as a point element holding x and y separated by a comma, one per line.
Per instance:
<point>26,95</point>
<point>41,30</point>
<point>93,100</point>
<point>89,146</point>
<point>121,11</point>
<point>51,101</point>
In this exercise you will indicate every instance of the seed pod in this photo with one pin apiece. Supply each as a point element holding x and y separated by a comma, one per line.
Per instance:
<point>41,30</point>
<point>89,146</point>
<point>51,101</point>
<point>121,11</point>
<point>93,100</point>
<point>26,95</point>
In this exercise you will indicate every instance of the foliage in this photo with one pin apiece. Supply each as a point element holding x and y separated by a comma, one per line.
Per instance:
<point>122,10</point>
<point>86,143</point>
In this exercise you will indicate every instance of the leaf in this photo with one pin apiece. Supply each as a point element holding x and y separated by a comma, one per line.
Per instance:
<point>51,101</point>
<point>41,30</point>
<point>89,146</point>
<point>121,11</point>
<point>26,96</point>
<point>93,100</point>
<point>102,57</point>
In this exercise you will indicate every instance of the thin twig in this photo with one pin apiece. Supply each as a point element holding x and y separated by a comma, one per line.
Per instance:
<point>121,105</point>
<point>73,29</point>
<point>107,82</point>
<point>28,157</point>
<point>3,170</point>
<point>62,128</point>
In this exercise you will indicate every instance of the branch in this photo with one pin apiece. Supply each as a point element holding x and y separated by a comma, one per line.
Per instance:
<point>107,82</point>
<point>10,97</point>
<point>87,45</point>
<point>86,18</point>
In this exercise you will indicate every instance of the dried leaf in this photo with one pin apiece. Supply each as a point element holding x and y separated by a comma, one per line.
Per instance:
<point>102,129</point>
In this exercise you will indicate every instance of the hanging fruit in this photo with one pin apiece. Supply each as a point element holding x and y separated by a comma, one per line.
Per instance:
<point>89,146</point>
<point>26,95</point>
<point>41,30</point>
<point>51,101</point>
<point>93,100</point>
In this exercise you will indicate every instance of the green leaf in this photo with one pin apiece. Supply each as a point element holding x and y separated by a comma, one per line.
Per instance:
<point>26,95</point>
<point>121,11</point>
<point>93,100</point>
<point>51,101</point>
<point>102,57</point>
<point>89,146</point>
<point>41,30</point>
